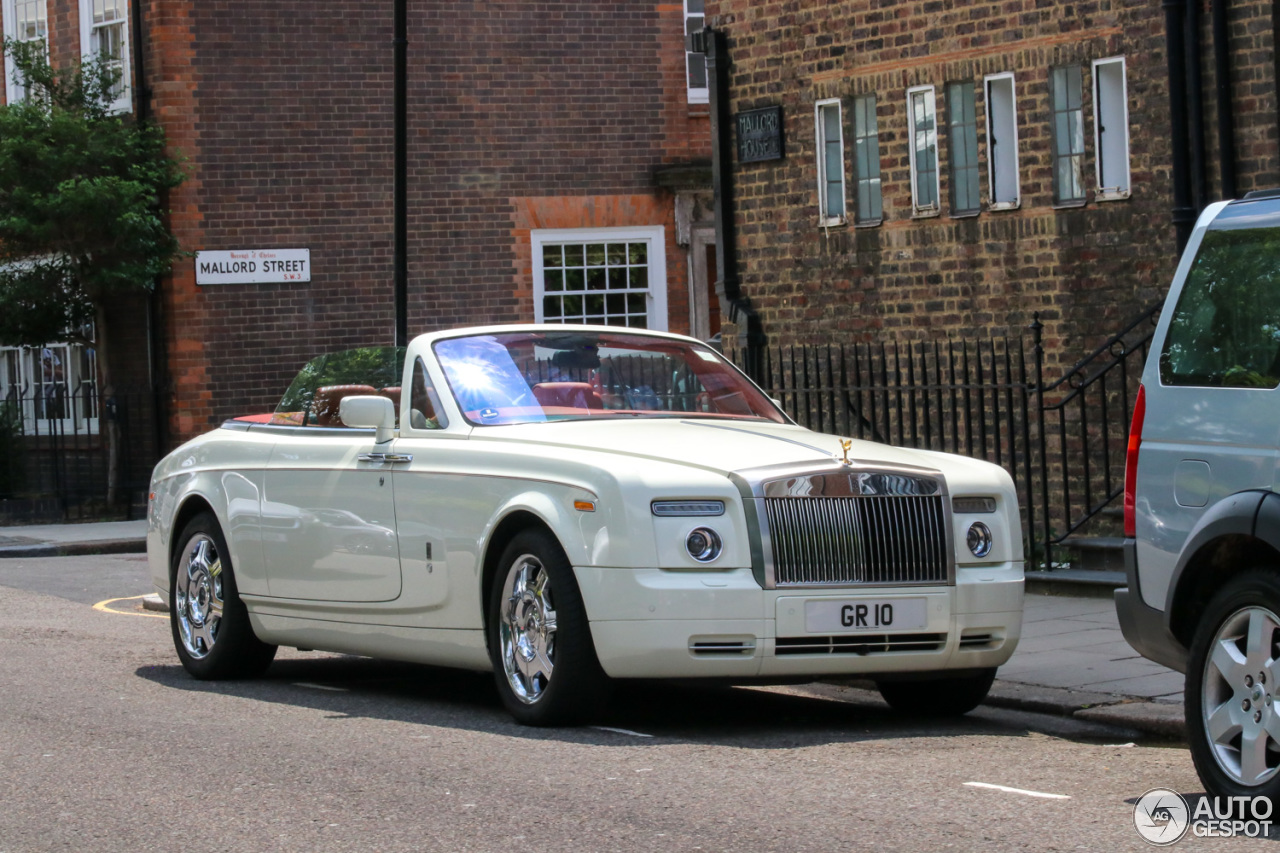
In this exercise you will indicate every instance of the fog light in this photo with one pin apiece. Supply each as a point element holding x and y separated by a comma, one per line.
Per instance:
<point>979,539</point>
<point>703,544</point>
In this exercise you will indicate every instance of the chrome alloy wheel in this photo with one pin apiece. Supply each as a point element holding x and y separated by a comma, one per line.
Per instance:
<point>1239,694</point>
<point>528,629</point>
<point>198,595</point>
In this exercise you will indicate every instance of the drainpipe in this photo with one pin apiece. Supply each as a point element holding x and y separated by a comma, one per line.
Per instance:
<point>1195,105</point>
<point>751,337</point>
<point>156,362</point>
<point>1184,215</point>
<point>401,203</point>
<point>1226,109</point>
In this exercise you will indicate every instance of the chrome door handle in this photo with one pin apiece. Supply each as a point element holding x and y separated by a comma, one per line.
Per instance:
<point>385,457</point>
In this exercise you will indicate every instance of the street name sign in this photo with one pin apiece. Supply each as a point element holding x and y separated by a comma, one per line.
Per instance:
<point>253,266</point>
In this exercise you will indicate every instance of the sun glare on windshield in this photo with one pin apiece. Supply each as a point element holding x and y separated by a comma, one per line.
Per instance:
<point>527,377</point>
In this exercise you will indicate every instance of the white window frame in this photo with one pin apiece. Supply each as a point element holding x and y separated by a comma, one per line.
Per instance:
<point>123,103</point>
<point>697,95</point>
<point>917,207</point>
<point>654,235</point>
<point>29,383</point>
<point>1109,110</point>
<point>1002,126</point>
<point>821,141</point>
<point>14,93</point>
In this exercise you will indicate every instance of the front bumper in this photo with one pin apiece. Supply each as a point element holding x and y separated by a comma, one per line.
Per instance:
<point>650,623</point>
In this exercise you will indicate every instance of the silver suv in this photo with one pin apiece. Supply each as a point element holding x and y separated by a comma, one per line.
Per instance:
<point>1201,501</point>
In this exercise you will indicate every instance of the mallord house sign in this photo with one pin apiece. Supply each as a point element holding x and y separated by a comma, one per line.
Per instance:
<point>253,266</point>
<point>759,134</point>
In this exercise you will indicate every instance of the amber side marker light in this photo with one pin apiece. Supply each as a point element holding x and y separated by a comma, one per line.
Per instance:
<point>584,506</point>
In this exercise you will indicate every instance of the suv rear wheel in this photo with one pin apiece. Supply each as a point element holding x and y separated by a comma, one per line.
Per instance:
<point>1233,685</point>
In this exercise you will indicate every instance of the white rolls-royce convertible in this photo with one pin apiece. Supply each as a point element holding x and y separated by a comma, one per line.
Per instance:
<point>569,505</point>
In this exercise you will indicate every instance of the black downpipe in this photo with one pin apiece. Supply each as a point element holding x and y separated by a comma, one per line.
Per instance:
<point>1184,215</point>
<point>1226,108</point>
<point>751,337</point>
<point>142,93</point>
<point>156,362</point>
<point>401,200</point>
<point>1195,106</point>
<point>1275,57</point>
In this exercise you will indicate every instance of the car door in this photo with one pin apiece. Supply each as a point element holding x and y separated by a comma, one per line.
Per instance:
<point>328,518</point>
<point>441,509</point>
<point>1212,395</point>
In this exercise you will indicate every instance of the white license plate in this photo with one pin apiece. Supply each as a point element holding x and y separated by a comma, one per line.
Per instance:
<point>851,615</point>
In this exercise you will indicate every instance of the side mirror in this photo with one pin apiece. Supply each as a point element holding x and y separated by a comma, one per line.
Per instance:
<point>365,411</point>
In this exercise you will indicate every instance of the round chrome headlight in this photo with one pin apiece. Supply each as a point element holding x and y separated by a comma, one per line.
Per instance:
<point>703,544</point>
<point>979,539</point>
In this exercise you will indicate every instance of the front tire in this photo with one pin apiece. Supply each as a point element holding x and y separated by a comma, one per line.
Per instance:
<point>1233,684</point>
<point>938,697</point>
<point>544,661</point>
<point>211,629</point>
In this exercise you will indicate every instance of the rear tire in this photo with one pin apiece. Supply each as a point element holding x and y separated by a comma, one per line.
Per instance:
<point>938,697</point>
<point>211,629</point>
<point>544,661</point>
<point>1233,687</point>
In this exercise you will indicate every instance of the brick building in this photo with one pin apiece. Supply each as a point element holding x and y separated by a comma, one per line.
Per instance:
<point>952,168</point>
<point>556,167</point>
<point>979,163</point>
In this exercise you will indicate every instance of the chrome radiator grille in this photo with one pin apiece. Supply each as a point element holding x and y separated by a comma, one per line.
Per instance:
<point>871,539</point>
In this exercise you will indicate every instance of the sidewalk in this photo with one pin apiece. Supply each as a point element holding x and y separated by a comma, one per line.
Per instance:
<point>1072,660</point>
<point>67,540</point>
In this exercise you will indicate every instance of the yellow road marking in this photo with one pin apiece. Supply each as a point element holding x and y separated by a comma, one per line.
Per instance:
<point>105,607</point>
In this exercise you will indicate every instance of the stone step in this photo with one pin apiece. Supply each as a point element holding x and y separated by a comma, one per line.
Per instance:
<point>1095,553</point>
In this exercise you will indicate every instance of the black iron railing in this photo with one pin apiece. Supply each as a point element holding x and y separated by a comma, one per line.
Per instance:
<point>1062,441</point>
<point>54,456</point>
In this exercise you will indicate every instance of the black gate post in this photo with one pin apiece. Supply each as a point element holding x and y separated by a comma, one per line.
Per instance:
<point>1037,335</point>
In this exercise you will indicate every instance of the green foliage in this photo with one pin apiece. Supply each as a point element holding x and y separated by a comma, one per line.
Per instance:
<point>379,367</point>
<point>81,193</point>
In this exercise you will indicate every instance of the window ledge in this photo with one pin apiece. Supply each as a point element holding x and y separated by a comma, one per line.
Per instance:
<point>968,214</point>
<point>1116,195</point>
<point>1005,205</point>
<point>869,223</point>
<point>1070,205</point>
<point>832,221</point>
<point>926,214</point>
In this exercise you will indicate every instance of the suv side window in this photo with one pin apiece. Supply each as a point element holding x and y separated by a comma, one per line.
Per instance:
<point>1225,330</point>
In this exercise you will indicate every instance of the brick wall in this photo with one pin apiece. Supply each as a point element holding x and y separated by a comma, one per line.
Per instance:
<point>284,111</point>
<point>1086,269</point>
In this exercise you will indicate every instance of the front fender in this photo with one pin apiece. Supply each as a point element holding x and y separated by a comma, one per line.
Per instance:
<point>226,477</point>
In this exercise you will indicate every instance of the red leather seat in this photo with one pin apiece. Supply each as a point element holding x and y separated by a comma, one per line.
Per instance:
<point>567,395</point>
<point>324,406</point>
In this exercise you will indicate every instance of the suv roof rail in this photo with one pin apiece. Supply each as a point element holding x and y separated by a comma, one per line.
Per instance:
<point>1256,194</point>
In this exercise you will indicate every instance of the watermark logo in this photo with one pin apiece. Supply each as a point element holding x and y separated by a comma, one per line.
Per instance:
<point>1161,816</point>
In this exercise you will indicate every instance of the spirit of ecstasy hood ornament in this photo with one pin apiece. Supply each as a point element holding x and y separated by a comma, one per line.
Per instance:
<point>844,446</point>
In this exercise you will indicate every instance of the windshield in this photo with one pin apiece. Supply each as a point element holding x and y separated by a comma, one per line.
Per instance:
<point>527,377</point>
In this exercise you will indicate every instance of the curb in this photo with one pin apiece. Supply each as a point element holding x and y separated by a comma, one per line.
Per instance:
<point>76,549</point>
<point>1157,719</point>
<point>154,602</point>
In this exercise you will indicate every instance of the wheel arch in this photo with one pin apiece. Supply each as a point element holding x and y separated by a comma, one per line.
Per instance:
<point>511,525</point>
<point>192,505</point>
<point>1238,534</point>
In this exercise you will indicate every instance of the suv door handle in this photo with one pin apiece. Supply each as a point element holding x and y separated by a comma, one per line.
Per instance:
<point>385,457</point>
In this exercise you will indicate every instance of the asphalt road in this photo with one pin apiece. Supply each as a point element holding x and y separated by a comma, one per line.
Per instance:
<point>106,744</point>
